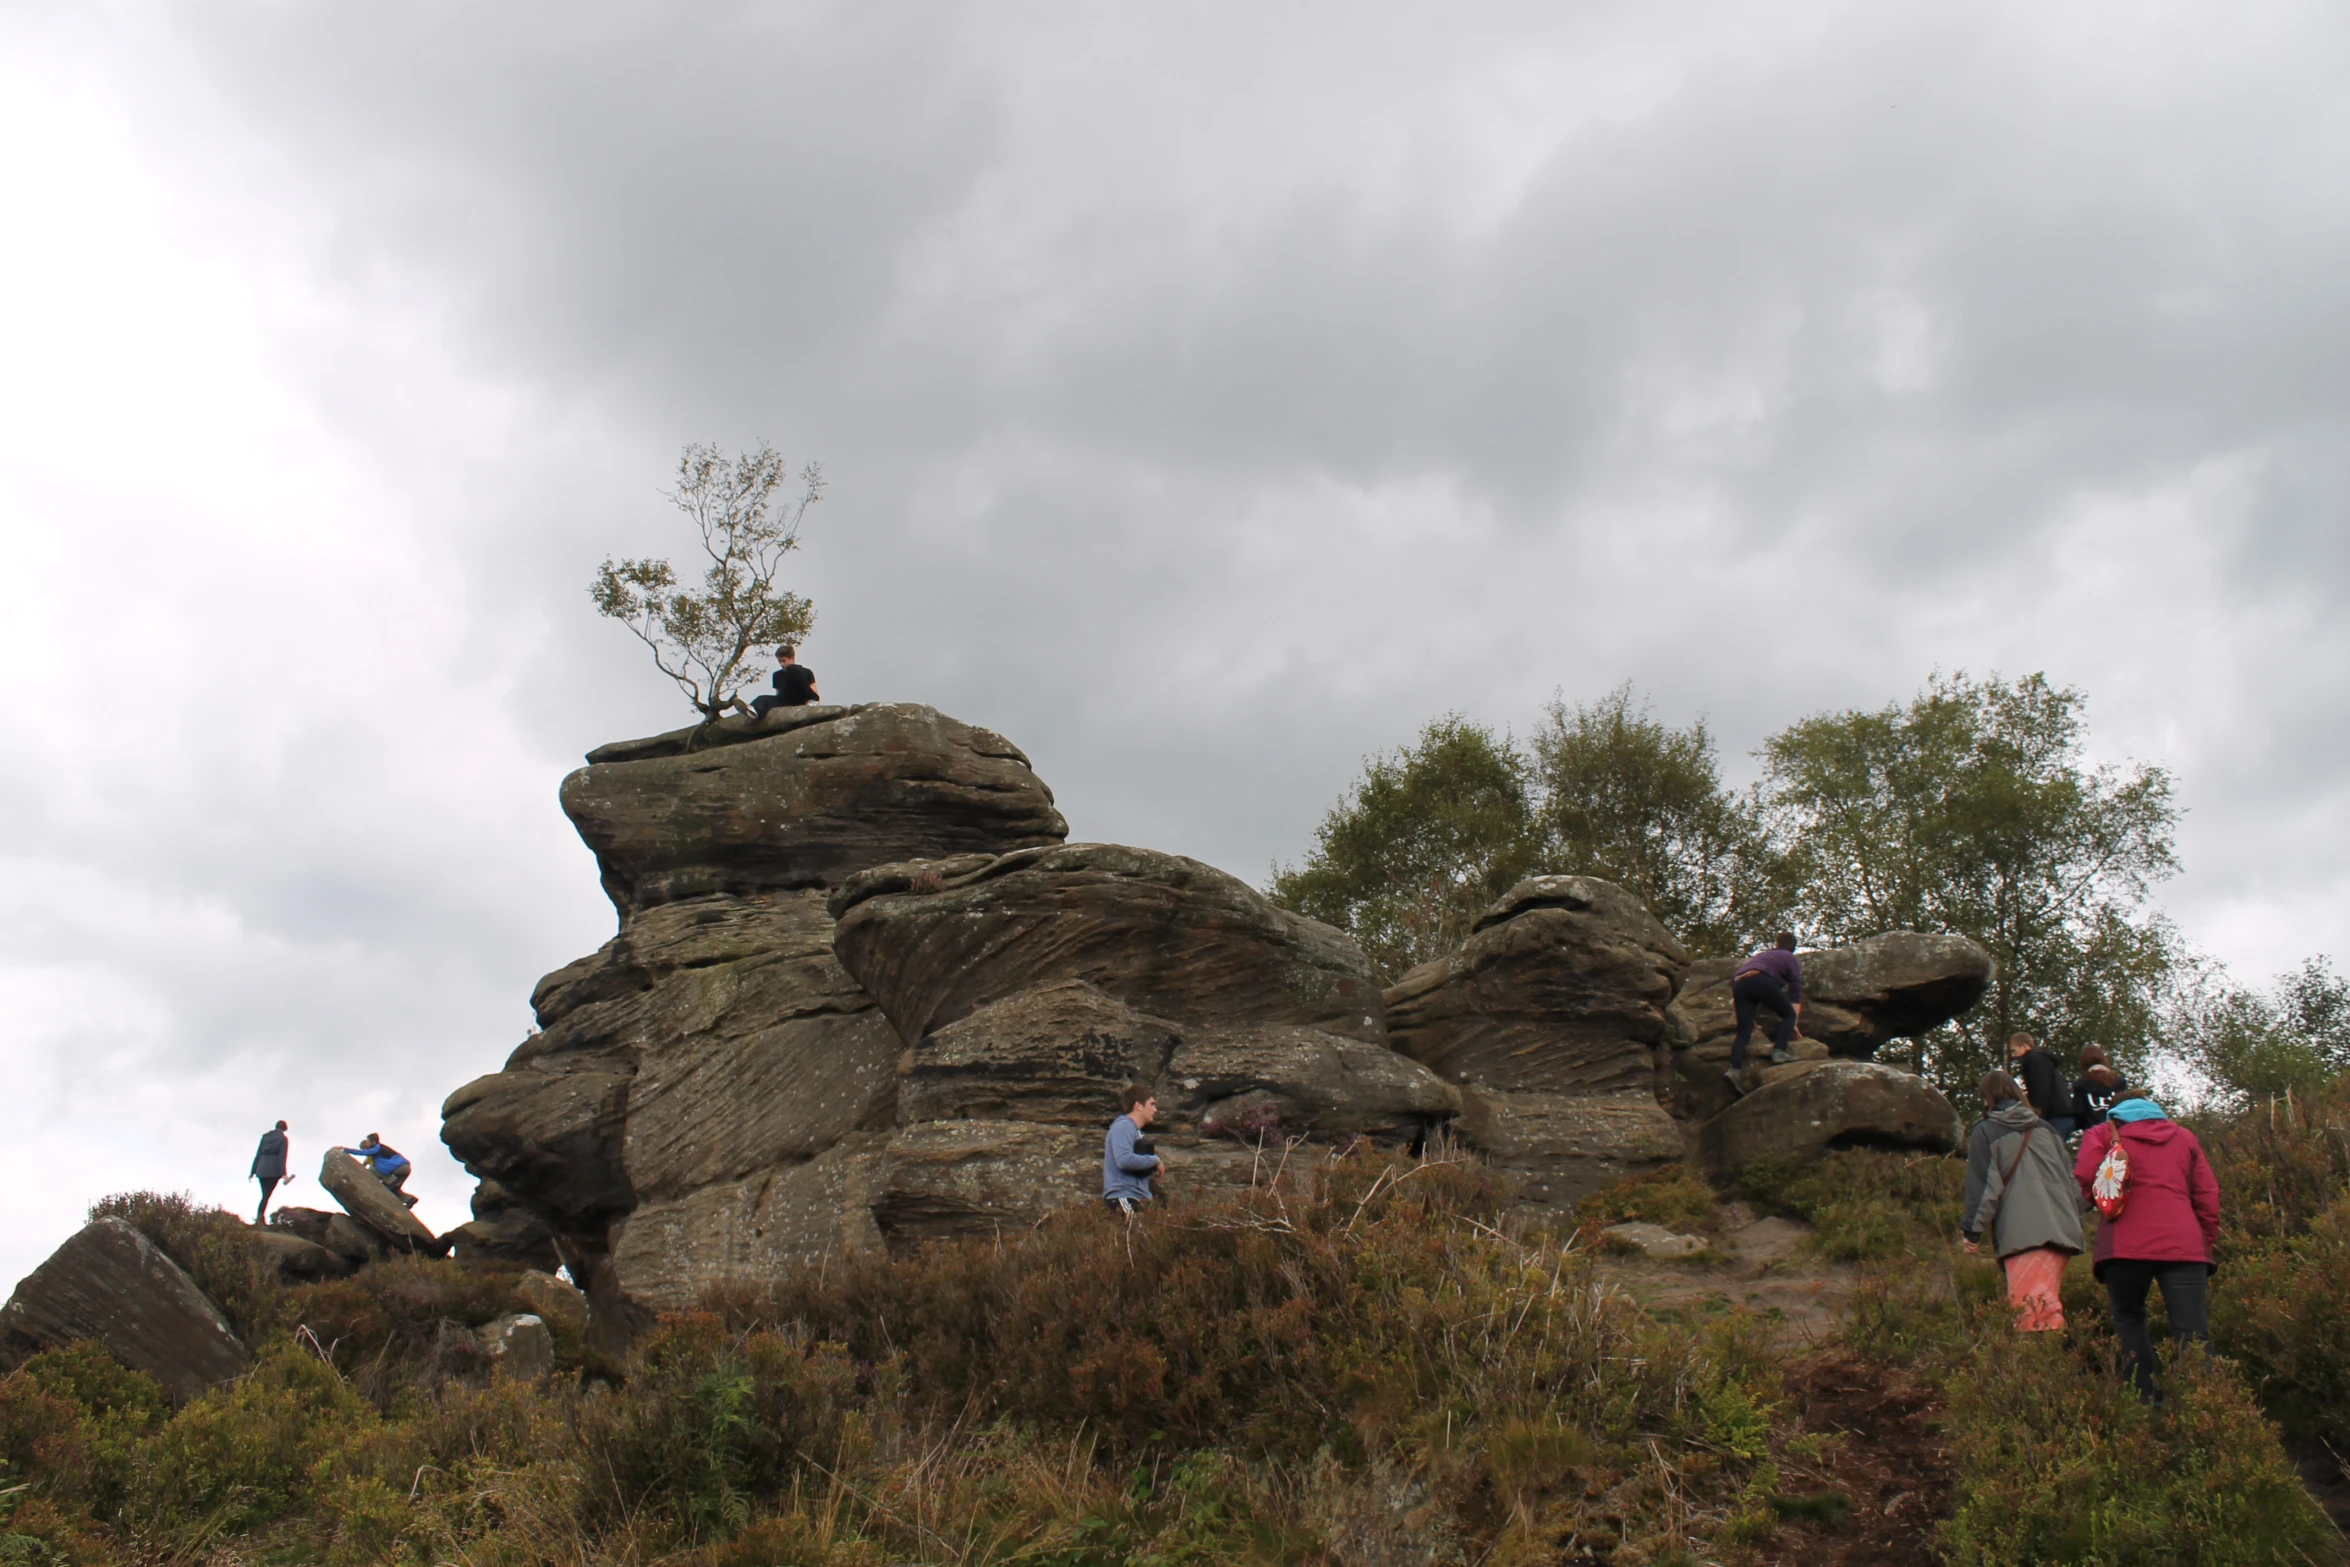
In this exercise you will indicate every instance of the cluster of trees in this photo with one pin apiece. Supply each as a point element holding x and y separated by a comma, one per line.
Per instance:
<point>1974,807</point>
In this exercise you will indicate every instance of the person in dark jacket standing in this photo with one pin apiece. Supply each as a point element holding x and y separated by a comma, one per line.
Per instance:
<point>2163,1235</point>
<point>2043,1078</point>
<point>2098,1089</point>
<point>269,1167</point>
<point>1771,978</point>
<point>2020,1189</point>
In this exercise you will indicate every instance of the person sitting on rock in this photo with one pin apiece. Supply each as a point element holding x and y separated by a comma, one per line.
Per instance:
<point>2043,1078</point>
<point>795,684</point>
<point>389,1164</point>
<point>1771,978</point>
<point>269,1167</point>
<point>1127,1169</point>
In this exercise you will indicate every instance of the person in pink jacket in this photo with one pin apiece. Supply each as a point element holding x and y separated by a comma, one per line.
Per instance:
<point>2163,1235</point>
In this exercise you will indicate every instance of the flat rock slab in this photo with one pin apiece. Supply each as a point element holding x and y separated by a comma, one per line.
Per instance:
<point>1561,988</point>
<point>1817,1105</point>
<point>1654,1240</point>
<point>1563,1147</point>
<point>299,1261</point>
<point>800,799</point>
<point>1855,998</point>
<point>112,1284</point>
<point>368,1200</point>
<point>338,1232</point>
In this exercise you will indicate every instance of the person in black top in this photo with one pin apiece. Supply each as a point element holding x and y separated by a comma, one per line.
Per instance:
<point>2098,1089</point>
<point>2044,1084</point>
<point>269,1166</point>
<point>795,684</point>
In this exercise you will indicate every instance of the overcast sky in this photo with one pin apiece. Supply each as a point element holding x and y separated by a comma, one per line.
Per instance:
<point>1210,395</point>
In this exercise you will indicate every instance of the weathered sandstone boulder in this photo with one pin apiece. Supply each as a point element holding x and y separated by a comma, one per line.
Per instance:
<point>703,1095</point>
<point>1551,1020</point>
<point>1856,999</point>
<point>801,798</point>
<point>503,1232</point>
<point>1809,1107</point>
<point>112,1284</point>
<point>518,1346</point>
<point>368,1200</point>
<point>338,1233</point>
<point>298,1261</point>
<point>557,1303</point>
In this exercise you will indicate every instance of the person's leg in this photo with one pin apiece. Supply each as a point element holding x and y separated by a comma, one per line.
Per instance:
<point>1742,1002</point>
<point>761,706</point>
<point>2186,1295</point>
<point>1786,1031</point>
<point>268,1185</point>
<point>2035,1288</point>
<point>2126,1284</point>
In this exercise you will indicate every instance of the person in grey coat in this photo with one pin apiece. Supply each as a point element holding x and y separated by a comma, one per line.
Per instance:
<point>2020,1188</point>
<point>269,1167</point>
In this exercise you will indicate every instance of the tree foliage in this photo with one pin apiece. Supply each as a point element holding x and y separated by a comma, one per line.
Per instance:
<point>1624,797</point>
<point>1426,839</point>
<point>2292,1038</point>
<point>748,522</point>
<point>1974,808</point>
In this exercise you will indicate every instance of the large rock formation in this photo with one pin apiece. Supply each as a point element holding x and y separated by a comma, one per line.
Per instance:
<point>369,1201</point>
<point>1809,1107</point>
<point>694,1104</point>
<point>1550,1020</point>
<point>1856,999</point>
<point>112,1284</point>
<point>1027,987</point>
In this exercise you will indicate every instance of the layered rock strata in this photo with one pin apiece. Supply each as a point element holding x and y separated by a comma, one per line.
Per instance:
<point>1811,1107</point>
<point>1856,1000</point>
<point>1028,987</point>
<point>112,1284</point>
<point>1552,1022</point>
<point>695,1104</point>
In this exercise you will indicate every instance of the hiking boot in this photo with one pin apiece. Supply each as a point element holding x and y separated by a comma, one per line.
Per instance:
<point>1782,1057</point>
<point>1737,1084</point>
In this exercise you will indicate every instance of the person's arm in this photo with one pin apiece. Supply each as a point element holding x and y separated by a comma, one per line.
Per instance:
<point>1987,1210</point>
<point>1122,1137</point>
<point>1795,982</point>
<point>1978,1174</point>
<point>2203,1185</point>
<point>2092,1154</point>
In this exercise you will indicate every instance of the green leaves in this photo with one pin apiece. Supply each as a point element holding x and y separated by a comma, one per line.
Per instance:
<point>709,641</point>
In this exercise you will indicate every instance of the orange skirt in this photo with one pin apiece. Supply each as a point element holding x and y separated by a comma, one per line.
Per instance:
<point>2035,1288</point>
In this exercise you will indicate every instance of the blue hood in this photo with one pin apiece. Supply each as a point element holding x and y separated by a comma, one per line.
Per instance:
<point>2140,1109</point>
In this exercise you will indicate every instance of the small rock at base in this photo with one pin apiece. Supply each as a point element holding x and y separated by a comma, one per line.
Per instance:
<point>519,1345</point>
<point>1654,1240</point>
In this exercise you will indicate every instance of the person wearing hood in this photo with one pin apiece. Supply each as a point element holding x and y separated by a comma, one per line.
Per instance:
<point>2163,1234</point>
<point>2019,1189</point>
<point>2098,1089</point>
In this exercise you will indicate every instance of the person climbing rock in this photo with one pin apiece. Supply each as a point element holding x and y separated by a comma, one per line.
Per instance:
<point>2019,1187</point>
<point>1771,978</point>
<point>389,1164</point>
<point>269,1167</point>
<point>2163,1234</point>
<point>2097,1090</point>
<point>2043,1078</point>
<point>795,684</point>
<point>1126,1169</point>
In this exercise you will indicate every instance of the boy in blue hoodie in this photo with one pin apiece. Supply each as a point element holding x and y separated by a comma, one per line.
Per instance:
<point>1127,1170</point>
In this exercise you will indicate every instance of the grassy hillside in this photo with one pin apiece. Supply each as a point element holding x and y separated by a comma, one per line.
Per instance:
<point>1374,1363</point>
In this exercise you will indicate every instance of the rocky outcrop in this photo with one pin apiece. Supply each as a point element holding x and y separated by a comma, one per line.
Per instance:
<point>1810,1107</point>
<point>298,1261</point>
<point>1551,1020</point>
<point>1027,987</point>
<point>503,1231</point>
<point>373,1205</point>
<point>337,1233</point>
<point>112,1284</point>
<point>518,1346</point>
<point>698,1102</point>
<point>1856,1000</point>
<point>801,799</point>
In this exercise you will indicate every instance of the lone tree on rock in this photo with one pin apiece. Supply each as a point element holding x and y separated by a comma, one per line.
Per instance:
<point>748,522</point>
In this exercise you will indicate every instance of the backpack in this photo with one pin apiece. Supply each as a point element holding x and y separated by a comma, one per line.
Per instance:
<point>2110,1188</point>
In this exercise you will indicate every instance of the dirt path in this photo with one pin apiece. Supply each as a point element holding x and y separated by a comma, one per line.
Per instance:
<point>1761,1268</point>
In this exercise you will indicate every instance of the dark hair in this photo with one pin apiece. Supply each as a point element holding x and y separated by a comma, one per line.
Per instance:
<point>281,1126</point>
<point>2093,1055</point>
<point>2021,1038</point>
<point>787,651</point>
<point>1135,1093</point>
<point>1999,1088</point>
<point>1786,940</point>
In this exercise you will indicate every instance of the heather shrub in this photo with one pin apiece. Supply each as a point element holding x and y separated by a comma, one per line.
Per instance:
<point>406,1323</point>
<point>1668,1195</point>
<point>2059,1463</point>
<point>75,1416</point>
<point>1864,1204</point>
<point>214,1248</point>
<point>243,1454</point>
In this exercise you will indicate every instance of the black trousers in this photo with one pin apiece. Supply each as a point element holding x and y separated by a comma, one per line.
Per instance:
<point>2186,1295</point>
<point>268,1185</point>
<point>1747,992</point>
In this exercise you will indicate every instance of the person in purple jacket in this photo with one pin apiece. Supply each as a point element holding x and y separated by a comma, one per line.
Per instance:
<point>1771,978</point>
